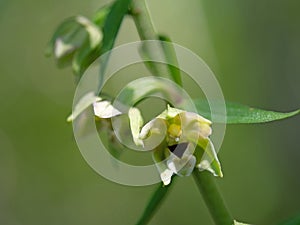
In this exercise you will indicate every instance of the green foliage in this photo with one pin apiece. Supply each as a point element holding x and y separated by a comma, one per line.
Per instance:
<point>292,221</point>
<point>113,22</point>
<point>241,114</point>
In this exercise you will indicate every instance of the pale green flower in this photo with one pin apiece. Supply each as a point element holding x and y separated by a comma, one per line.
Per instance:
<point>186,143</point>
<point>102,108</point>
<point>75,42</point>
<point>181,138</point>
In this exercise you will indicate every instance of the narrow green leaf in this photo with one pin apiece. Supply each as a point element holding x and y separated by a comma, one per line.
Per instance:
<point>146,55</point>
<point>111,28</point>
<point>170,55</point>
<point>113,22</point>
<point>241,114</point>
<point>154,203</point>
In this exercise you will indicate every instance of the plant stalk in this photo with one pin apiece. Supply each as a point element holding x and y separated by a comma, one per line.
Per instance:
<point>156,199</point>
<point>152,51</point>
<point>142,20</point>
<point>204,180</point>
<point>212,197</point>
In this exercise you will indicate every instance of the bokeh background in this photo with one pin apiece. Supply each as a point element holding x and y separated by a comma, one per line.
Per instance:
<point>252,46</point>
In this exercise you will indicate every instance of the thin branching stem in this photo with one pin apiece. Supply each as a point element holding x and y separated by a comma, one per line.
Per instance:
<point>204,180</point>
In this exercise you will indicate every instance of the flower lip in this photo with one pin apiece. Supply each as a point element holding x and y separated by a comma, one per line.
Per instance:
<point>178,149</point>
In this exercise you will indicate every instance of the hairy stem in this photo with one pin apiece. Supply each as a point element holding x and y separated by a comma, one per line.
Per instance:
<point>212,197</point>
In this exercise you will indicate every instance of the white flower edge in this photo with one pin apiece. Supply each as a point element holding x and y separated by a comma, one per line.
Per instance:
<point>209,159</point>
<point>166,176</point>
<point>136,122</point>
<point>102,108</point>
<point>95,35</point>
<point>61,48</point>
<point>174,165</point>
<point>85,101</point>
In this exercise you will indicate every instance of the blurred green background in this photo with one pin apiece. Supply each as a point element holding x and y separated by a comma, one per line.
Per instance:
<point>252,46</point>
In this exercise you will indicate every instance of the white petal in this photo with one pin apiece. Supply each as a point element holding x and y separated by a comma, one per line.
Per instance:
<point>61,48</point>
<point>95,35</point>
<point>169,113</point>
<point>173,164</point>
<point>104,109</point>
<point>194,125</point>
<point>165,176</point>
<point>182,166</point>
<point>136,122</point>
<point>155,126</point>
<point>188,167</point>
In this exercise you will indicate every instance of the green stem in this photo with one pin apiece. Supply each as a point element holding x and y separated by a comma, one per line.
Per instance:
<point>142,20</point>
<point>212,197</point>
<point>153,205</point>
<point>205,182</point>
<point>153,51</point>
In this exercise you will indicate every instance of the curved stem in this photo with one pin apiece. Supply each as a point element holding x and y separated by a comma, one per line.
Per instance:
<point>212,197</point>
<point>143,22</point>
<point>153,51</point>
<point>204,180</point>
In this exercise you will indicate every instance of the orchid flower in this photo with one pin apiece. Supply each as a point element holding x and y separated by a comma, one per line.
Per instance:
<point>186,143</point>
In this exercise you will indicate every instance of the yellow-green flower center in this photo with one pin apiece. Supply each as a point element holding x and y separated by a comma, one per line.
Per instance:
<point>174,130</point>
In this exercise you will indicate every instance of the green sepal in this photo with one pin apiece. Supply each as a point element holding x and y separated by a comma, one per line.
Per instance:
<point>206,157</point>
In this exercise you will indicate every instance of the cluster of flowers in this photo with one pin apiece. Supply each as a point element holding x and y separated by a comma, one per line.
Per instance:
<point>185,138</point>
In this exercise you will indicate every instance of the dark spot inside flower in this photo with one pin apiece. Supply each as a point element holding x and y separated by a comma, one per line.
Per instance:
<point>178,149</point>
